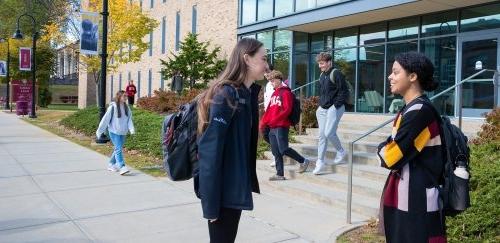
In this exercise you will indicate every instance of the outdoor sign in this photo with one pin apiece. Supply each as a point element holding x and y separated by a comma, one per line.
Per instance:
<point>21,90</point>
<point>89,33</point>
<point>24,59</point>
<point>3,68</point>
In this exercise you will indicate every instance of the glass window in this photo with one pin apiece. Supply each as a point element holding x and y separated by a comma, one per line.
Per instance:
<point>194,19</point>
<point>281,62</point>
<point>314,73</point>
<point>321,42</point>
<point>138,84</point>
<point>163,34</point>
<point>371,79</point>
<point>150,82</point>
<point>403,29</point>
<point>267,39</point>
<point>248,36</point>
<point>162,82</point>
<point>371,34</point>
<point>177,30</point>
<point>152,4</point>
<point>300,66</point>
<point>111,86</point>
<point>480,18</point>
<point>151,43</point>
<point>120,81</point>
<point>394,102</point>
<point>248,11</point>
<point>346,38</point>
<point>442,53</point>
<point>439,24</point>
<point>265,9</point>
<point>345,60</point>
<point>282,40</point>
<point>304,4</point>
<point>300,41</point>
<point>283,7</point>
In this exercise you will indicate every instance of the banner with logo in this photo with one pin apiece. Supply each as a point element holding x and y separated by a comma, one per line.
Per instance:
<point>89,29</point>
<point>3,68</point>
<point>24,59</point>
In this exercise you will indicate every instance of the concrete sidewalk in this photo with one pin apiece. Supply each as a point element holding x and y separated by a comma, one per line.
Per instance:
<point>52,190</point>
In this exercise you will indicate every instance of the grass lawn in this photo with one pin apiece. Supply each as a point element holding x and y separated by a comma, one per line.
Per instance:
<point>62,107</point>
<point>50,121</point>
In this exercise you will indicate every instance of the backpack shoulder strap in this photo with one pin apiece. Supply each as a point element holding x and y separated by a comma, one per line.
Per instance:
<point>112,113</point>
<point>332,75</point>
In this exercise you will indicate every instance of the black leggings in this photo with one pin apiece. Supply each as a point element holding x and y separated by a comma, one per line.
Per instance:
<point>224,229</point>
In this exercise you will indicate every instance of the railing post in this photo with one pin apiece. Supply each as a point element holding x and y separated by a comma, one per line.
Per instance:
<point>460,104</point>
<point>301,97</point>
<point>349,181</point>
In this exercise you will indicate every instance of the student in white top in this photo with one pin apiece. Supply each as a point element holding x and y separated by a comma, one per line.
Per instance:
<point>118,121</point>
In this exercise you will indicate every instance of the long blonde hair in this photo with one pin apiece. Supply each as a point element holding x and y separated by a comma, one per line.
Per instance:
<point>234,74</point>
<point>118,100</point>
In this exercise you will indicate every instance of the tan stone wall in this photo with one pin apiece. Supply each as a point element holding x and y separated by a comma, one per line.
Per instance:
<point>216,22</point>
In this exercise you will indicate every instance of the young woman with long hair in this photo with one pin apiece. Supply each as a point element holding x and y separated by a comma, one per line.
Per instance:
<point>118,121</point>
<point>227,145</point>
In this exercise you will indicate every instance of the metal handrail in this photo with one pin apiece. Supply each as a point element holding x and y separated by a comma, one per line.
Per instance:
<point>351,143</point>
<point>300,87</point>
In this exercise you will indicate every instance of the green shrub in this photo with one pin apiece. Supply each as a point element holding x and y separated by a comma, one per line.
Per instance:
<point>480,223</point>
<point>147,138</point>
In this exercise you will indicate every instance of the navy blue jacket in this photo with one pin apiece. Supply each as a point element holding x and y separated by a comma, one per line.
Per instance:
<point>227,174</point>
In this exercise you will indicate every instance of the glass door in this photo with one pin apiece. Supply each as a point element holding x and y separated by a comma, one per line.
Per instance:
<point>477,52</point>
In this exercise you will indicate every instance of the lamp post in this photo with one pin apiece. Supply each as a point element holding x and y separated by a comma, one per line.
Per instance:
<point>7,93</point>
<point>19,35</point>
<point>102,80</point>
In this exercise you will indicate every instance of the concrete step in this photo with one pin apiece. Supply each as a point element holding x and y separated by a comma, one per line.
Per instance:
<point>312,151</point>
<point>329,178</point>
<point>360,146</point>
<point>367,171</point>
<point>317,193</point>
<point>351,134</point>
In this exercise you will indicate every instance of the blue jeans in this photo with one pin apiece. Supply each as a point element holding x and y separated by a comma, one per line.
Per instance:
<point>117,156</point>
<point>328,121</point>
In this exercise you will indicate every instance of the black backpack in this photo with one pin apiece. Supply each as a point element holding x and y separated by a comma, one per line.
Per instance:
<point>453,190</point>
<point>179,142</point>
<point>294,117</point>
<point>180,150</point>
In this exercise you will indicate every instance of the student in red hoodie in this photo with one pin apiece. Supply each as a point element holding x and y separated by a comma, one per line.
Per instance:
<point>276,118</point>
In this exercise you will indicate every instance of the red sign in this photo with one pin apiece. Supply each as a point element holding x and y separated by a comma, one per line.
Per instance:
<point>24,59</point>
<point>21,90</point>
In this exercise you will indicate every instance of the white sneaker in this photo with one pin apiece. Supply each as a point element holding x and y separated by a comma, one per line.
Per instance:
<point>112,167</point>
<point>124,170</point>
<point>319,167</point>
<point>272,164</point>
<point>339,157</point>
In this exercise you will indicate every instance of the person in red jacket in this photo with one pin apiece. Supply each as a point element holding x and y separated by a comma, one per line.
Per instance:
<point>131,90</point>
<point>276,118</point>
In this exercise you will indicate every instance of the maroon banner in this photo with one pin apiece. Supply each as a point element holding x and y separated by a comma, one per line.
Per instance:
<point>21,90</point>
<point>24,59</point>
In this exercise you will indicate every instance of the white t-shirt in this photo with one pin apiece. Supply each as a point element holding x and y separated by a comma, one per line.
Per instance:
<point>268,92</point>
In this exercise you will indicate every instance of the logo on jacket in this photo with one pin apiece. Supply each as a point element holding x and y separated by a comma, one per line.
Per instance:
<point>221,120</point>
<point>275,100</point>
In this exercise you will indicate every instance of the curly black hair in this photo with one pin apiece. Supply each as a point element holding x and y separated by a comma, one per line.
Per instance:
<point>418,63</point>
